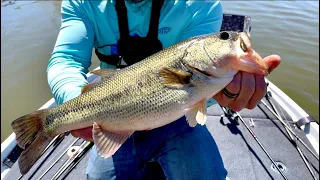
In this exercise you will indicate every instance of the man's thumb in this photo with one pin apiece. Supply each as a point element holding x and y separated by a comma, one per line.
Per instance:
<point>272,61</point>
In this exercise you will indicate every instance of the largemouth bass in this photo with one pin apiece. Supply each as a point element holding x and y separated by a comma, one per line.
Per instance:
<point>152,93</point>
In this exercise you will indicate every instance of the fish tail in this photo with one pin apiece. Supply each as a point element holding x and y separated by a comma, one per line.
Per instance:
<point>30,137</point>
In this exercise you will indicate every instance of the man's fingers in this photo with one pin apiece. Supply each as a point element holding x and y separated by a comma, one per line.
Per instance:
<point>253,87</point>
<point>246,91</point>
<point>85,133</point>
<point>260,91</point>
<point>234,88</point>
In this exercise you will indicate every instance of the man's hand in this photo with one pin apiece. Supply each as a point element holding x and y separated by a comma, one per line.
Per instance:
<point>251,88</point>
<point>85,133</point>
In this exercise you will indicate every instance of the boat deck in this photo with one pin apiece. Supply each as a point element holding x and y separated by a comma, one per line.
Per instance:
<point>242,156</point>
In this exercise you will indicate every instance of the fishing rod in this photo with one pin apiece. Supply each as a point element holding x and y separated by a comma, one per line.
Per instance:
<point>268,95</point>
<point>78,159</point>
<point>293,141</point>
<point>289,129</point>
<point>231,112</point>
<point>71,160</point>
<point>59,158</point>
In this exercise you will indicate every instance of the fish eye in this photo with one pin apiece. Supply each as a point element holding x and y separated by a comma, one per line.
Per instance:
<point>243,46</point>
<point>224,35</point>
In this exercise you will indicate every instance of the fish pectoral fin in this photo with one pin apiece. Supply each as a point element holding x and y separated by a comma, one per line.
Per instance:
<point>202,113</point>
<point>105,73</point>
<point>191,117</point>
<point>198,114</point>
<point>107,143</point>
<point>175,78</point>
<point>88,87</point>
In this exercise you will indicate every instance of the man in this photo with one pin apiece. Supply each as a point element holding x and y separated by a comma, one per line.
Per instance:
<point>181,151</point>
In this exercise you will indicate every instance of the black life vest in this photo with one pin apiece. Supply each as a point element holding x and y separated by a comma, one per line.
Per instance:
<point>134,49</point>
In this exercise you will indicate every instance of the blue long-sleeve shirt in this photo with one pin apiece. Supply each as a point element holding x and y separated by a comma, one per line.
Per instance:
<point>90,24</point>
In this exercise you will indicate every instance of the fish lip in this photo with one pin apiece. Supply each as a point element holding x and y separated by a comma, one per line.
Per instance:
<point>248,59</point>
<point>261,69</point>
<point>252,62</point>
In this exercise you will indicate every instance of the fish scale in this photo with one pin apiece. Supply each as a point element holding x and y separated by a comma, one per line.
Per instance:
<point>117,102</point>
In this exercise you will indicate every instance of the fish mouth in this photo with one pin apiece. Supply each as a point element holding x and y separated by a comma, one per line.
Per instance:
<point>252,62</point>
<point>248,60</point>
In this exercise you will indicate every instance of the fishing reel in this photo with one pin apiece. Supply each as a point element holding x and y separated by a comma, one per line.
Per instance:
<point>230,114</point>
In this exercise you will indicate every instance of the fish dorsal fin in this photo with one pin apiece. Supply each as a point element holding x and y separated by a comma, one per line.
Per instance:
<point>105,73</point>
<point>198,114</point>
<point>88,87</point>
<point>175,78</point>
<point>107,143</point>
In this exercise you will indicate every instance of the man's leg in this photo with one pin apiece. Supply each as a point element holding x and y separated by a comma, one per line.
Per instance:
<point>193,155</point>
<point>122,165</point>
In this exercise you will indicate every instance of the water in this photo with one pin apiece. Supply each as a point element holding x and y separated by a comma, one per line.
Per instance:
<point>29,30</point>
